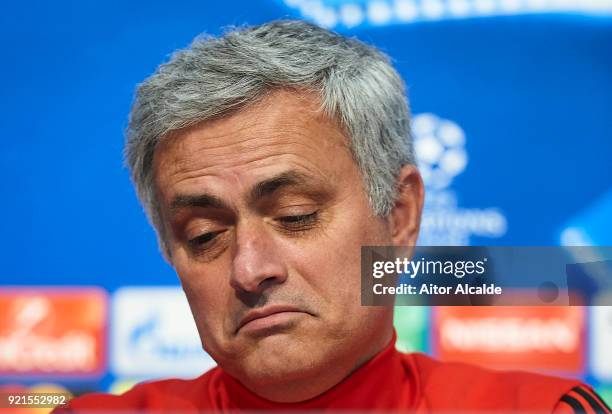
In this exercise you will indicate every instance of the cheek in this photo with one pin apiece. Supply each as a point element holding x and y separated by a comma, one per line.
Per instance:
<point>331,266</point>
<point>206,295</point>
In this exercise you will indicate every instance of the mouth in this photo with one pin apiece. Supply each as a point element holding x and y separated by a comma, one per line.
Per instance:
<point>269,317</point>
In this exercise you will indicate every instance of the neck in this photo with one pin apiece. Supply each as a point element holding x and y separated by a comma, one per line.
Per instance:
<point>315,383</point>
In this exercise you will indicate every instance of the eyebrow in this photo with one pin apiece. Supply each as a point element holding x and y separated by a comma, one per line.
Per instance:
<point>268,187</point>
<point>202,200</point>
<point>260,190</point>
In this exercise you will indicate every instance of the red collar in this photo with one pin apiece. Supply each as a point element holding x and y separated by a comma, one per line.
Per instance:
<point>382,383</point>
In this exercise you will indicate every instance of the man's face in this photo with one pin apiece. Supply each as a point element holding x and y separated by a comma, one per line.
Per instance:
<point>265,214</point>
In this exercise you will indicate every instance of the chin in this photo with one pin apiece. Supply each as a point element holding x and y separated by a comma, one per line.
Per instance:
<point>279,358</point>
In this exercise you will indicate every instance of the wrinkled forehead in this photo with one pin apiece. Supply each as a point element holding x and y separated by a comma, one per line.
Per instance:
<point>286,132</point>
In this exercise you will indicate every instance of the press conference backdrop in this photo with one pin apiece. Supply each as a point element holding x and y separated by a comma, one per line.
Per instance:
<point>512,105</point>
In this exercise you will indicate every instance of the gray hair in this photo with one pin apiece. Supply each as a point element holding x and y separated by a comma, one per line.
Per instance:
<point>215,77</point>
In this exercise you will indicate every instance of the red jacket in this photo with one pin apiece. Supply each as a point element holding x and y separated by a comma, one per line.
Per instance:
<point>391,381</point>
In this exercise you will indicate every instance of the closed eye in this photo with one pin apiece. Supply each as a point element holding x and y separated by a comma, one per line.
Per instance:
<point>203,240</point>
<point>298,220</point>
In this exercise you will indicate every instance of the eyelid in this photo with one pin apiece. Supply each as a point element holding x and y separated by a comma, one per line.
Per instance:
<point>296,209</point>
<point>209,249</point>
<point>197,225</point>
<point>209,236</point>
<point>310,214</point>
<point>298,221</point>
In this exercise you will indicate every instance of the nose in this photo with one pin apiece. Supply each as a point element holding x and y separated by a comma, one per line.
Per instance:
<point>256,264</point>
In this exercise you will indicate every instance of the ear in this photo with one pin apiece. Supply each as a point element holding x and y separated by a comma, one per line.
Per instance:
<point>405,218</point>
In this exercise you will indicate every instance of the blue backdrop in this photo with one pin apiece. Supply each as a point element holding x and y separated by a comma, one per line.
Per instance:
<point>518,92</point>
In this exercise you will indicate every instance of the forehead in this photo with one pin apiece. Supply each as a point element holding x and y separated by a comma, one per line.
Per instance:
<point>284,131</point>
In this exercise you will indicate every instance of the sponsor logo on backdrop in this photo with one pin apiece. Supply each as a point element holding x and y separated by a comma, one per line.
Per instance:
<point>601,342</point>
<point>351,13</point>
<point>154,334</point>
<point>440,150</point>
<point>52,331</point>
<point>533,338</point>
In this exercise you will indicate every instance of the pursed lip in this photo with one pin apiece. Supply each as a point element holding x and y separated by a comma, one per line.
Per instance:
<point>266,311</point>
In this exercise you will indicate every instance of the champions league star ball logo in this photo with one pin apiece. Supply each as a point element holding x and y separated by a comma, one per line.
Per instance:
<point>440,149</point>
<point>441,156</point>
